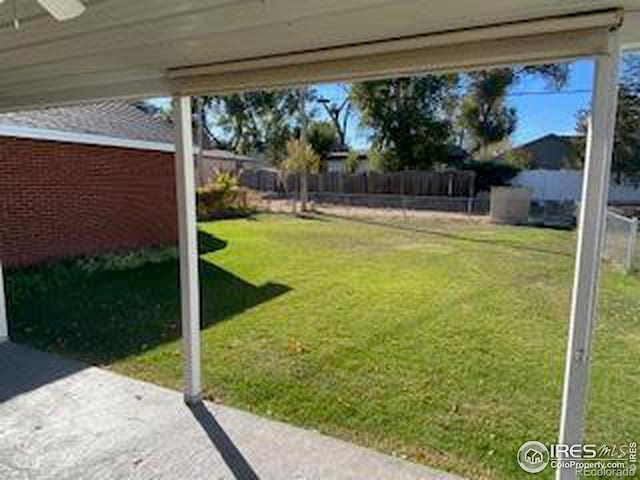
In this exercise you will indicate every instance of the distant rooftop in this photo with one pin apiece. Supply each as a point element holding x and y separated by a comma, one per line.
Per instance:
<point>118,119</point>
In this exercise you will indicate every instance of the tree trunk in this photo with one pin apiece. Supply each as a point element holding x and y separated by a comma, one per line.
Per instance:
<point>304,191</point>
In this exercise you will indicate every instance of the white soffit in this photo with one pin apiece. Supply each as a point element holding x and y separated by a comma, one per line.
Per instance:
<point>630,31</point>
<point>529,42</point>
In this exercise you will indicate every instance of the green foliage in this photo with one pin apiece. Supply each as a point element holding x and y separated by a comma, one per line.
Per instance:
<point>222,198</point>
<point>225,182</point>
<point>301,158</point>
<point>352,162</point>
<point>407,118</point>
<point>322,137</point>
<point>555,74</point>
<point>258,122</point>
<point>484,113</point>
<point>384,160</point>
<point>518,158</point>
<point>491,174</point>
<point>626,152</point>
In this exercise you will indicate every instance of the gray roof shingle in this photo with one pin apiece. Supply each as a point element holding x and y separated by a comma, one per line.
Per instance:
<point>119,119</point>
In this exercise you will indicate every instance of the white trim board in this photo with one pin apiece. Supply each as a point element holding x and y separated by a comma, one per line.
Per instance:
<point>528,42</point>
<point>49,135</point>
<point>83,138</point>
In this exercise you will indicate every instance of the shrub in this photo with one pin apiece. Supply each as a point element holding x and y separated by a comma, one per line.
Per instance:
<point>352,162</point>
<point>223,198</point>
<point>518,158</point>
<point>491,174</point>
<point>301,158</point>
<point>383,160</point>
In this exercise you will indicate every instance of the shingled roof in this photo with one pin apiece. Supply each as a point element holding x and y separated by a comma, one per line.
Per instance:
<point>117,119</point>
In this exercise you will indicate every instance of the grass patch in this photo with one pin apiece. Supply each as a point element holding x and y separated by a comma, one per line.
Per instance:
<point>440,342</point>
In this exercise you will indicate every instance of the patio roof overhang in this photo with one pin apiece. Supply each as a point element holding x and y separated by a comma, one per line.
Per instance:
<point>120,48</point>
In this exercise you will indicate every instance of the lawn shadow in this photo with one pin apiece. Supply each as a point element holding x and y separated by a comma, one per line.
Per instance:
<point>223,294</point>
<point>310,217</point>
<point>208,243</point>
<point>109,315</point>
<point>448,235</point>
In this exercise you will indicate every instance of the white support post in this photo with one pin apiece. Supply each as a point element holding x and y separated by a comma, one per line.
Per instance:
<point>589,250</point>
<point>189,283</point>
<point>4,323</point>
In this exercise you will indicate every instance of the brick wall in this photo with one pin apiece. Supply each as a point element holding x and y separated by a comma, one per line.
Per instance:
<point>62,199</point>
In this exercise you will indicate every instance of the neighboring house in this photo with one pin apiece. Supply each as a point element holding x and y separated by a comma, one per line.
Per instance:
<point>336,162</point>
<point>566,186</point>
<point>555,173</point>
<point>88,179</point>
<point>551,152</point>
<point>224,161</point>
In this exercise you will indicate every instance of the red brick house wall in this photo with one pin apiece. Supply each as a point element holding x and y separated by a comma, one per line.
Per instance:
<point>64,199</point>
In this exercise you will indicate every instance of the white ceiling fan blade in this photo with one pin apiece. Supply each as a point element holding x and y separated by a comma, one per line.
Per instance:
<point>63,9</point>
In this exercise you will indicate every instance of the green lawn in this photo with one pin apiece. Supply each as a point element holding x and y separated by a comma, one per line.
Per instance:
<point>440,342</point>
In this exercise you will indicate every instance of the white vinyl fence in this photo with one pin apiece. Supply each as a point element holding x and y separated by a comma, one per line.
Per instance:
<point>566,186</point>
<point>621,244</point>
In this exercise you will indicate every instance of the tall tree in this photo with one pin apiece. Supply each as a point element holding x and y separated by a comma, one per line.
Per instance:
<point>301,159</point>
<point>485,114</point>
<point>339,114</point>
<point>259,122</point>
<point>322,136</point>
<point>626,147</point>
<point>407,118</point>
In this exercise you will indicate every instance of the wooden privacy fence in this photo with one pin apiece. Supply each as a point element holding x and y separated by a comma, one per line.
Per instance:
<point>455,183</point>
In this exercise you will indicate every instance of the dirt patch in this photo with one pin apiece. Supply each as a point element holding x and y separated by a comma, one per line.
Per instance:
<point>286,206</point>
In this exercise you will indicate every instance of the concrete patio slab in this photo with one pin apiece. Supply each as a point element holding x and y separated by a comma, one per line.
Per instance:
<point>61,419</point>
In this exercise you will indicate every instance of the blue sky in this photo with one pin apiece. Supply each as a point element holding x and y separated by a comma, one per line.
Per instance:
<point>540,111</point>
<point>546,113</point>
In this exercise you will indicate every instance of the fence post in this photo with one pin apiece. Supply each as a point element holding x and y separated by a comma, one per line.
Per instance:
<point>471,193</point>
<point>402,192</point>
<point>632,243</point>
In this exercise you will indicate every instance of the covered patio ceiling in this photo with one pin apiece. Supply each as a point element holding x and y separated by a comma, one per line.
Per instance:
<point>119,48</point>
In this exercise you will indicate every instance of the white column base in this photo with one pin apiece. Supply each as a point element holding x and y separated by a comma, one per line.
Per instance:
<point>192,400</point>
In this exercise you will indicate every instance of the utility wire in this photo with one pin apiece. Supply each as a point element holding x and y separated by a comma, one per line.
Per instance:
<point>548,92</point>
